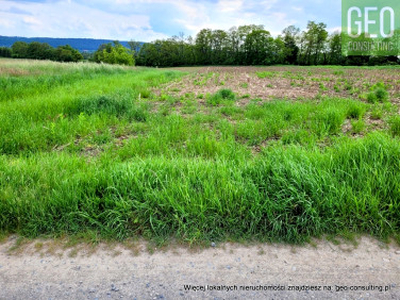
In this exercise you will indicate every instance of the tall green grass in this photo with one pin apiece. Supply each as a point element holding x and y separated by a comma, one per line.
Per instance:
<point>283,195</point>
<point>102,152</point>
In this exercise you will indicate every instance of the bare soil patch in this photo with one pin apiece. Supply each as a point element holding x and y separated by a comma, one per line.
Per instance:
<point>285,82</point>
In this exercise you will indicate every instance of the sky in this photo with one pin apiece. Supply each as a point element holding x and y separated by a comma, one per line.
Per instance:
<point>147,20</point>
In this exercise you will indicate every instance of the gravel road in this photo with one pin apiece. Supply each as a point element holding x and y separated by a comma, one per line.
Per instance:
<point>370,270</point>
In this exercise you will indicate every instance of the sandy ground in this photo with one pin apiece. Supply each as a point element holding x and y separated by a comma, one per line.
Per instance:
<point>228,271</point>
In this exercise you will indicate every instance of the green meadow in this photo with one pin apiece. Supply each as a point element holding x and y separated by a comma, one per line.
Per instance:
<point>113,152</point>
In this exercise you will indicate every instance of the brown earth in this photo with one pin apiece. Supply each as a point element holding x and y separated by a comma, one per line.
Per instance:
<point>285,82</point>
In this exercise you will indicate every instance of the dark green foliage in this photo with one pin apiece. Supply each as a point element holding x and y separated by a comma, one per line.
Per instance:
<point>5,52</point>
<point>20,49</point>
<point>226,94</point>
<point>103,104</point>
<point>244,45</point>
<point>221,95</point>
<point>67,54</point>
<point>37,50</point>
<point>253,45</point>
<point>114,105</point>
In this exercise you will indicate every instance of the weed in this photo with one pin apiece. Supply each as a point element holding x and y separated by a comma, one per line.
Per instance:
<point>357,126</point>
<point>356,110</point>
<point>378,93</point>
<point>372,98</point>
<point>322,87</point>
<point>376,113</point>
<point>329,121</point>
<point>336,88</point>
<point>218,97</point>
<point>381,94</point>
<point>266,74</point>
<point>395,125</point>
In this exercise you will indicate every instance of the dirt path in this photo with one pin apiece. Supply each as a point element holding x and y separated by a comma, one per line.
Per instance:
<point>271,269</point>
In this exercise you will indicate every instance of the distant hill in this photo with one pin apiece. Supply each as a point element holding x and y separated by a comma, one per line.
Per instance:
<point>83,45</point>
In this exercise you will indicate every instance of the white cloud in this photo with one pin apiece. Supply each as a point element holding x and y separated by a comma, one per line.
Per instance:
<point>334,29</point>
<point>32,20</point>
<point>77,20</point>
<point>230,6</point>
<point>148,20</point>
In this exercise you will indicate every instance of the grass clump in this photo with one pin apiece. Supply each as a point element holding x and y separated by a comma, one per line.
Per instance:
<point>266,74</point>
<point>378,93</point>
<point>221,95</point>
<point>395,125</point>
<point>112,105</point>
<point>356,110</point>
<point>357,126</point>
<point>376,112</point>
<point>329,121</point>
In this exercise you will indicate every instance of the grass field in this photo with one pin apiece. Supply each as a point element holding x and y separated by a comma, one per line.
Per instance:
<point>247,153</point>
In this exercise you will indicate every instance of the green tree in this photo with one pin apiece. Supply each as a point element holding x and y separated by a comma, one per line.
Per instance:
<point>233,51</point>
<point>20,50</point>
<point>258,47</point>
<point>219,46</point>
<point>5,52</point>
<point>290,37</point>
<point>335,49</point>
<point>38,50</point>
<point>67,54</point>
<point>314,42</point>
<point>148,55</point>
<point>135,47</point>
<point>114,54</point>
<point>204,46</point>
<point>279,51</point>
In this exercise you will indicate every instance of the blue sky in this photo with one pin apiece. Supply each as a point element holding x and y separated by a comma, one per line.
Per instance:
<point>147,20</point>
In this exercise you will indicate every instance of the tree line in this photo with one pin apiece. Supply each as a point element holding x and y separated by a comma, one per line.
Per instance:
<point>111,53</point>
<point>254,45</point>
<point>243,45</point>
<point>37,50</point>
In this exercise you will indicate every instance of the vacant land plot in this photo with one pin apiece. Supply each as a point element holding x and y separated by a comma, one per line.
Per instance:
<point>277,153</point>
